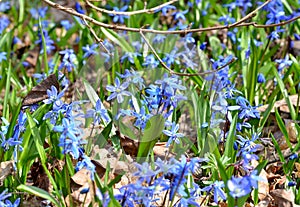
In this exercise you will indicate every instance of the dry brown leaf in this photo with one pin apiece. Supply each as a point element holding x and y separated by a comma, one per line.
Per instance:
<point>297,172</point>
<point>130,146</point>
<point>291,129</point>
<point>263,186</point>
<point>78,198</point>
<point>6,169</point>
<point>281,104</point>
<point>82,177</point>
<point>162,151</point>
<point>112,160</point>
<point>283,198</point>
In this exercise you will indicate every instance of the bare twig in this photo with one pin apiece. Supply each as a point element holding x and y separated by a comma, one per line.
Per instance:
<point>129,13</point>
<point>98,39</point>
<point>239,23</point>
<point>177,73</point>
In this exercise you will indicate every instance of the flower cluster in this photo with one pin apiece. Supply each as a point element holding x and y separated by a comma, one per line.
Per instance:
<point>159,98</point>
<point>5,202</point>
<point>166,178</point>
<point>63,117</point>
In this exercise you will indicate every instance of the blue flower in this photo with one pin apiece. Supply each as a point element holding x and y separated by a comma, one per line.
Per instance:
<point>78,8</point>
<point>166,9</point>
<point>134,77</point>
<point>151,62</point>
<point>283,63</point>
<point>293,156</point>
<point>89,50</point>
<point>11,142</point>
<point>8,203</point>
<point>119,18</point>
<point>217,189</point>
<point>70,138</point>
<point>66,24</point>
<point>4,22</point>
<point>246,110</point>
<point>261,78</point>
<point>130,56</point>
<point>170,85</point>
<point>154,97</point>
<point>171,57</point>
<point>69,59</point>
<point>227,19</point>
<point>144,172</point>
<point>238,187</point>
<point>87,164</point>
<point>203,45</point>
<point>275,16</point>
<point>52,115</point>
<point>3,196</point>
<point>99,113</point>
<point>274,35</point>
<point>158,39</point>
<point>179,15</point>
<point>172,134</point>
<point>49,42</point>
<point>118,91</point>
<point>188,56</point>
<point>2,56</point>
<point>141,118</point>
<point>4,6</point>
<point>40,12</point>
<point>54,97</point>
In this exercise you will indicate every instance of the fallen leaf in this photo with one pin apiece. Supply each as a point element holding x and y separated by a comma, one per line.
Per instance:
<point>82,177</point>
<point>6,169</point>
<point>283,198</point>
<point>281,104</point>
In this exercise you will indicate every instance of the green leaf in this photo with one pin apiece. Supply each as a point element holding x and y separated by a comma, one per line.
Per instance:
<point>37,139</point>
<point>116,38</point>
<point>152,131</point>
<point>38,192</point>
<point>276,145</point>
<point>284,93</point>
<point>39,143</point>
<point>266,115</point>
<point>229,152</point>
<point>91,93</point>
<point>126,130</point>
<point>283,129</point>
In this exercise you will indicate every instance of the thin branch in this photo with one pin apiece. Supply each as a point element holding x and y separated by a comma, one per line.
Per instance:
<point>239,23</point>
<point>178,73</point>
<point>250,15</point>
<point>129,13</point>
<point>98,39</point>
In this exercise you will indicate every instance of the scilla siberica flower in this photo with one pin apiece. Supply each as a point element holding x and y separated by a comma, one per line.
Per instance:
<point>4,22</point>
<point>134,77</point>
<point>48,41</point>
<point>172,134</point>
<point>118,91</point>
<point>69,58</point>
<point>4,6</point>
<point>99,113</point>
<point>2,56</point>
<point>119,18</point>
<point>89,50</point>
<point>40,12</point>
<point>216,187</point>
<point>54,97</point>
<point>7,203</point>
<point>283,63</point>
<point>70,137</point>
